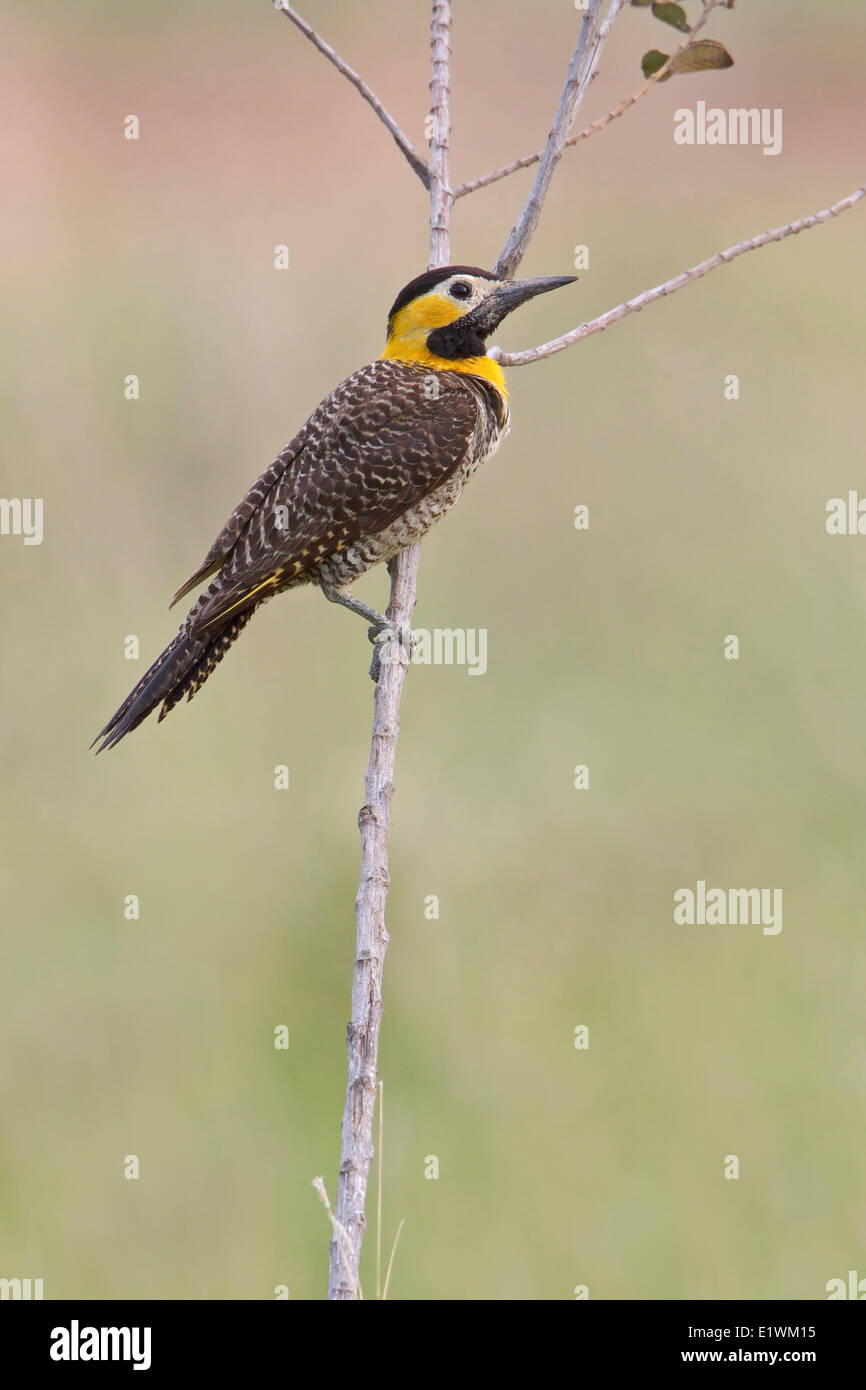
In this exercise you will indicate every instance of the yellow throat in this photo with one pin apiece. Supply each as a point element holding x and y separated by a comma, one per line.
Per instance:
<point>407,340</point>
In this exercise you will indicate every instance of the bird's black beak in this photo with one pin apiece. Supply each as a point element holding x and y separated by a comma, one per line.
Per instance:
<point>509,295</point>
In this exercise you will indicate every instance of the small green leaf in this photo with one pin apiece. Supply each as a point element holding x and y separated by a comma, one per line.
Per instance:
<point>699,57</point>
<point>652,61</point>
<point>672,14</point>
<point>643,3</point>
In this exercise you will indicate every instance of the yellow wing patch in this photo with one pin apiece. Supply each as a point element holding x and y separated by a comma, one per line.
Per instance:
<point>224,612</point>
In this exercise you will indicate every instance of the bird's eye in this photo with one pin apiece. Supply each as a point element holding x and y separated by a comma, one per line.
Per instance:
<point>460,290</point>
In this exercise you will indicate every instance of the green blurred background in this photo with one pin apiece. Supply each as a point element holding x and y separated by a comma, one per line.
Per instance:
<point>557,1167</point>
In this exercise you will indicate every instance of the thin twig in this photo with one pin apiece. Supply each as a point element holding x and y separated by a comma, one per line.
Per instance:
<point>581,71</point>
<point>340,1237</point>
<point>402,141</point>
<point>374,818</point>
<point>686,277</point>
<point>528,160</point>
<point>391,1261</point>
<point>379,1158</point>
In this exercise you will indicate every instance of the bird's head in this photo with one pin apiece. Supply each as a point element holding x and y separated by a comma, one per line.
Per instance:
<point>444,317</point>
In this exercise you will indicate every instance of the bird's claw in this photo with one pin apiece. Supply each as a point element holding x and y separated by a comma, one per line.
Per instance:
<point>390,644</point>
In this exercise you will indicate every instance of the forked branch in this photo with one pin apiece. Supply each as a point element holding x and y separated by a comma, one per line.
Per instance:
<point>528,160</point>
<point>581,70</point>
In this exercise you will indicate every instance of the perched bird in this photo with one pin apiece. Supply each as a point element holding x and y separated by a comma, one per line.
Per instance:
<point>381,459</point>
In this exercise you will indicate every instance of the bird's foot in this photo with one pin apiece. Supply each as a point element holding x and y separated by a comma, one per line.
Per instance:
<point>390,645</point>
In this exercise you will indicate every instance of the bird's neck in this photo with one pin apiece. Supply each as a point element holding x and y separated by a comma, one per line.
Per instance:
<point>415,352</point>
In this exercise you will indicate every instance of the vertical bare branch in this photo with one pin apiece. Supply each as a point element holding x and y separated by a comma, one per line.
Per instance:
<point>371,943</point>
<point>374,818</point>
<point>581,70</point>
<point>441,197</point>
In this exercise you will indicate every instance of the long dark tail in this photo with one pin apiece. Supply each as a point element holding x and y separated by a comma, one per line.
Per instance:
<point>182,669</point>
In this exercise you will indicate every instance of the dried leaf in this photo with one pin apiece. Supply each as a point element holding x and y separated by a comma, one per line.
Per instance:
<point>700,56</point>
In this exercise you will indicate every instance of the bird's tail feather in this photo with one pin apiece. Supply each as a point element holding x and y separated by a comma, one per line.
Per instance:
<point>182,669</point>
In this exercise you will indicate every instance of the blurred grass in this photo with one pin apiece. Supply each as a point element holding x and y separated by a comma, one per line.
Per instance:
<point>154,1037</point>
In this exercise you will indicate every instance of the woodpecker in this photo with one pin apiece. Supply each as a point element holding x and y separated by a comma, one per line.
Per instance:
<point>378,462</point>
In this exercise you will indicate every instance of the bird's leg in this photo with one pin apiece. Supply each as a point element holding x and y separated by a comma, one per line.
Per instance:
<point>380,632</point>
<point>346,599</point>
